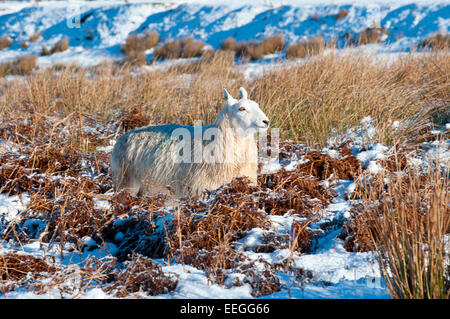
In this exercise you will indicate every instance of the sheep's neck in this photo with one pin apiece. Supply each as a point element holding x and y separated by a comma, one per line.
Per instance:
<point>234,146</point>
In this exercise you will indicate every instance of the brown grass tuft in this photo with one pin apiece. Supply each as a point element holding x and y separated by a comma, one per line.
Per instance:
<point>273,44</point>
<point>407,218</point>
<point>136,45</point>
<point>20,66</point>
<point>323,166</point>
<point>229,44</point>
<point>35,36</point>
<point>181,48</point>
<point>133,118</point>
<point>369,35</point>
<point>191,48</point>
<point>437,41</point>
<point>60,46</point>
<point>142,275</point>
<point>306,48</point>
<point>342,14</point>
<point>5,42</point>
<point>16,266</point>
<point>294,193</point>
<point>254,50</point>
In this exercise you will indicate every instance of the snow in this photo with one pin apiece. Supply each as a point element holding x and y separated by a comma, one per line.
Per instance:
<point>336,272</point>
<point>331,263</point>
<point>97,29</point>
<point>193,283</point>
<point>11,206</point>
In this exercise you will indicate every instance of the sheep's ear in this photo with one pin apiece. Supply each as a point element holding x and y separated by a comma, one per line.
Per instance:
<point>242,93</point>
<point>227,95</point>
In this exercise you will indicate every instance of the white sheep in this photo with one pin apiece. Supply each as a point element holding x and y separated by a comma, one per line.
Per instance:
<point>190,159</point>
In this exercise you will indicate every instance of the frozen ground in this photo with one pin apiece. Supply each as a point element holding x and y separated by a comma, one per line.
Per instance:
<point>96,30</point>
<point>334,272</point>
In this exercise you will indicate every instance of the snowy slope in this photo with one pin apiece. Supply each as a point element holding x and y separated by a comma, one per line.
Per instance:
<point>96,29</point>
<point>104,26</point>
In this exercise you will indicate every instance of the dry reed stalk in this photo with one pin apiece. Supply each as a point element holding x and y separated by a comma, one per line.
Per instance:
<point>405,221</point>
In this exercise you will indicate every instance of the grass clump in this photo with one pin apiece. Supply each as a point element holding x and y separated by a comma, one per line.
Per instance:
<point>405,221</point>
<point>306,48</point>
<point>5,42</point>
<point>20,66</point>
<point>254,50</point>
<point>35,37</point>
<point>437,41</point>
<point>181,48</point>
<point>220,60</point>
<point>136,45</point>
<point>140,275</point>
<point>368,35</point>
<point>60,46</point>
<point>342,14</point>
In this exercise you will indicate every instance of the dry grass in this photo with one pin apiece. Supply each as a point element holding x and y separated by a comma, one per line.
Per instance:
<point>329,93</point>
<point>342,14</point>
<point>306,48</point>
<point>437,41</point>
<point>136,45</point>
<point>405,221</point>
<point>181,48</point>
<point>142,275</point>
<point>219,61</point>
<point>373,34</point>
<point>5,42</point>
<point>15,266</point>
<point>35,36</point>
<point>60,46</point>
<point>20,66</point>
<point>309,102</point>
<point>254,50</point>
<point>24,44</point>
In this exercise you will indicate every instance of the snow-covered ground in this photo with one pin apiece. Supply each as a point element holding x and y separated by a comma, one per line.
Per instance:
<point>97,29</point>
<point>334,271</point>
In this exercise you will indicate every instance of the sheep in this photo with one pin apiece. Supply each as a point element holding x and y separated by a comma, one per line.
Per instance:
<point>185,160</point>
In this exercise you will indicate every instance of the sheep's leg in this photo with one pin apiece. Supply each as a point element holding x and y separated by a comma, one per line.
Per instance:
<point>129,183</point>
<point>134,188</point>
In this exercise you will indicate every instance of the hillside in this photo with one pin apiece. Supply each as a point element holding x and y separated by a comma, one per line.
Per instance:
<point>97,29</point>
<point>355,190</point>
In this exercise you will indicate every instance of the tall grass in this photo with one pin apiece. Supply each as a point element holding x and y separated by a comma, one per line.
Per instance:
<point>20,66</point>
<point>407,223</point>
<point>309,102</point>
<point>60,46</point>
<point>5,42</point>
<point>254,50</point>
<point>327,94</point>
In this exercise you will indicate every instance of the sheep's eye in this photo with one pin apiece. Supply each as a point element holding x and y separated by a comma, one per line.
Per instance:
<point>242,108</point>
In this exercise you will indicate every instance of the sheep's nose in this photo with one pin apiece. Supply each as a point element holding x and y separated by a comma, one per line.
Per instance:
<point>266,122</point>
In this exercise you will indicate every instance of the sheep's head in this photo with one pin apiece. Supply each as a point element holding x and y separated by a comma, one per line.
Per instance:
<point>245,115</point>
